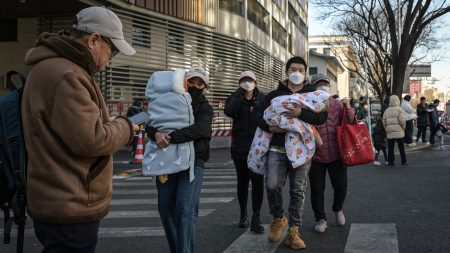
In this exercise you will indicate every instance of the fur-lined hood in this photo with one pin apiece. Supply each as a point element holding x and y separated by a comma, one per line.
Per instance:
<point>162,82</point>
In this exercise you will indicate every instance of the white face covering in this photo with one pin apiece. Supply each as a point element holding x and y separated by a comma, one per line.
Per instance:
<point>248,85</point>
<point>296,78</point>
<point>324,88</point>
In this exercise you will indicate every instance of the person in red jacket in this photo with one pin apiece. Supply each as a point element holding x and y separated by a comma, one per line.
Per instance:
<point>326,158</point>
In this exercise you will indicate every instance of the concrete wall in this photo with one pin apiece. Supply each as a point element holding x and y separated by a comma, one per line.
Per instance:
<point>12,54</point>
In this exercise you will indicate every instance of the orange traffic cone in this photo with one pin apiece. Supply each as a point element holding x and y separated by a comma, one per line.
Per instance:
<point>139,156</point>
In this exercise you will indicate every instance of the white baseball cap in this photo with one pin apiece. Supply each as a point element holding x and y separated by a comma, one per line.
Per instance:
<point>103,21</point>
<point>248,73</point>
<point>198,72</point>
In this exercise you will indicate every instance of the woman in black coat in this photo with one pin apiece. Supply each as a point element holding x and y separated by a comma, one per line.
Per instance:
<point>241,107</point>
<point>422,120</point>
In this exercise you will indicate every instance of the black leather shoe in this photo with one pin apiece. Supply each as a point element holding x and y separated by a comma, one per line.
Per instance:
<point>243,222</point>
<point>256,224</point>
<point>405,163</point>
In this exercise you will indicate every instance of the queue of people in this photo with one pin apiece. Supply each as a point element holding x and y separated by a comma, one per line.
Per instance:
<point>182,128</point>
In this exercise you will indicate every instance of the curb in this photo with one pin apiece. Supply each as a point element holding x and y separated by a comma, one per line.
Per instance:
<point>418,148</point>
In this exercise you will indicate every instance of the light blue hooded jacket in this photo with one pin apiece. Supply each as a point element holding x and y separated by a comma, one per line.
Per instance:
<point>170,109</point>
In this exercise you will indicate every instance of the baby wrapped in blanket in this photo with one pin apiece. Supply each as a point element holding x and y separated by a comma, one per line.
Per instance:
<point>170,109</point>
<point>301,137</point>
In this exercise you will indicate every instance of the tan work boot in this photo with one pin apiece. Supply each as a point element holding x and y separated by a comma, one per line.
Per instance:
<point>278,224</point>
<point>293,239</point>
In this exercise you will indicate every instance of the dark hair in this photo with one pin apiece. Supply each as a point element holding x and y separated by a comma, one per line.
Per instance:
<point>407,98</point>
<point>296,59</point>
<point>361,98</point>
<point>422,98</point>
<point>335,96</point>
<point>436,101</point>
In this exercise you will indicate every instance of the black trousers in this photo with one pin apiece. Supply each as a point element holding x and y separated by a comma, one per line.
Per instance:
<point>433,130</point>
<point>409,131</point>
<point>422,130</point>
<point>67,238</point>
<point>244,175</point>
<point>401,148</point>
<point>338,178</point>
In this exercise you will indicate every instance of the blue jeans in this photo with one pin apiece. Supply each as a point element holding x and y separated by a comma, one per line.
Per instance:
<point>178,201</point>
<point>278,170</point>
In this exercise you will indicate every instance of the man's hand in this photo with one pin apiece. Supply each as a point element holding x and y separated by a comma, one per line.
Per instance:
<point>136,128</point>
<point>275,129</point>
<point>162,139</point>
<point>294,111</point>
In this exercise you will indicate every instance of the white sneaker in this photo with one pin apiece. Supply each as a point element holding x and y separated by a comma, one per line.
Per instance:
<point>411,145</point>
<point>321,226</point>
<point>386,162</point>
<point>428,143</point>
<point>340,218</point>
<point>377,163</point>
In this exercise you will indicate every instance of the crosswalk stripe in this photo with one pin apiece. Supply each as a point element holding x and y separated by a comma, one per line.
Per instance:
<point>371,238</point>
<point>219,177</point>
<point>154,191</point>
<point>147,214</point>
<point>113,232</point>
<point>132,184</point>
<point>252,242</point>
<point>149,201</point>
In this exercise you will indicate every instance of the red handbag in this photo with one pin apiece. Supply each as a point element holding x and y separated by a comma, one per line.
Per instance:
<point>355,146</point>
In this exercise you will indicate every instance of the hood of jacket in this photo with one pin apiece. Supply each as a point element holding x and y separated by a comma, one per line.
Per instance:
<point>394,101</point>
<point>50,45</point>
<point>162,82</point>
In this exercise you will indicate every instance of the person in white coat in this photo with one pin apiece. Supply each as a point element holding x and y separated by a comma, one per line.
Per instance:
<point>411,115</point>
<point>394,121</point>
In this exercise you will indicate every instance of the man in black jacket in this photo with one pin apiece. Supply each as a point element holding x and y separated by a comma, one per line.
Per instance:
<point>279,166</point>
<point>178,199</point>
<point>241,106</point>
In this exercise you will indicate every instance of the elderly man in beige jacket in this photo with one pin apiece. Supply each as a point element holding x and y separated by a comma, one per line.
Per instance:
<point>394,121</point>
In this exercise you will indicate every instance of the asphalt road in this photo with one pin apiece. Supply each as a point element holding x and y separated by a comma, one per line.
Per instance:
<point>414,200</point>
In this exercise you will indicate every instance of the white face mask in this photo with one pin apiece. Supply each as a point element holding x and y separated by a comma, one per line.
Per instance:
<point>248,85</point>
<point>296,78</point>
<point>324,88</point>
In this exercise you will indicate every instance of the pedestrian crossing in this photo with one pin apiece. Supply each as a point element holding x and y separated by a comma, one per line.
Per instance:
<point>135,202</point>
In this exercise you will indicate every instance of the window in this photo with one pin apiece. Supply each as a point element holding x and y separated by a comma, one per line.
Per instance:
<point>278,33</point>
<point>327,51</point>
<point>314,50</point>
<point>140,34</point>
<point>175,40</point>
<point>8,29</point>
<point>233,6</point>
<point>295,18</point>
<point>258,16</point>
<point>290,45</point>
<point>312,71</point>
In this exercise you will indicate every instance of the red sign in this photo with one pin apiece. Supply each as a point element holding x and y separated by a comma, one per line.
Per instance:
<point>414,87</point>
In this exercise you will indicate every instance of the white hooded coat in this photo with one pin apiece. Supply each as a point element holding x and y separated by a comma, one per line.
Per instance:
<point>394,119</point>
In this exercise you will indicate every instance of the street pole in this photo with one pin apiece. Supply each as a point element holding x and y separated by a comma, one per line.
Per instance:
<point>369,120</point>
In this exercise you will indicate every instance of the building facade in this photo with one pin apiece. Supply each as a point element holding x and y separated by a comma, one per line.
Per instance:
<point>349,84</point>
<point>223,36</point>
<point>327,65</point>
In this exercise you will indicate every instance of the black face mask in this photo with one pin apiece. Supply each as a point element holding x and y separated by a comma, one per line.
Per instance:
<point>195,93</point>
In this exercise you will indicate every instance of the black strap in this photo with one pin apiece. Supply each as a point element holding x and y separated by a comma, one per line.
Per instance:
<point>9,82</point>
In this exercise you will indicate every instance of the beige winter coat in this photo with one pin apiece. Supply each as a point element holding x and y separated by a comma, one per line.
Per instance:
<point>394,119</point>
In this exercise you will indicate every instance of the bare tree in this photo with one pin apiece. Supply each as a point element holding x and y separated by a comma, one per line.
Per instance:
<point>373,27</point>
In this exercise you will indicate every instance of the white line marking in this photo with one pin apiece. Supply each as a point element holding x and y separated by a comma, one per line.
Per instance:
<point>154,191</point>
<point>147,214</point>
<point>149,183</point>
<point>250,242</point>
<point>119,202</point>
<point>372,238</point>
